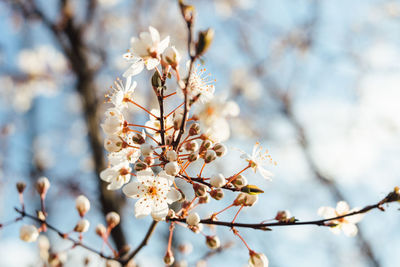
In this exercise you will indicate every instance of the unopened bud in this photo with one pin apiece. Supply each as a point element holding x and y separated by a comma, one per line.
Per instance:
<point>169,258</point>
<point>210,156</point>
<point>251,189</point>
<point>220,149</point>
<point>21,187</point>
<point>187,11</point>
<point>193,219</point>
<point>178,121</point>
<point>217,180</point>
<point>140,166</point>
<point>193,156</point>
<point>172,168</point>
<point>82,205</point>
<point>204,199</point>
<point>28,233</point>
<point>200,190</point>
<point>258,259</point>
<point>149,160</point>
<point>139,138</point>
<point>245,200</point>
<point>101,230</point>
<point>156,80</point>
<point>194,129</point>
<point>171,155</point>
<point>282,215</point>
<point>204,41</point>
<point>172,56</point>
<point>191,146</point>
<point>146,150</point>
<point>239,181</point>
<point>196,228</point>
<point>82,226</point>
<point>217,194</point>
<point>206,144</point>
<point>213,242</point>
<point>112,219</point>
<point>42,185</point>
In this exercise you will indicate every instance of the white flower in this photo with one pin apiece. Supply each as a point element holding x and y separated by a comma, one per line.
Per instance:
<point>346,224</point>
<point>258,159</point>
<point>82,204</point>
<point>145,51</point>
<point>153,193</point>
<point>117,175</point>
<point>258,260</point>
<point>114,122</point>
<point>123,93</point>
<point>155,124</point>
<point>129,154</point>
<point>113,143</point>
<point>193,219</point>
<point>200,86</point>
<point>28,233</point>
<point>212,116</point>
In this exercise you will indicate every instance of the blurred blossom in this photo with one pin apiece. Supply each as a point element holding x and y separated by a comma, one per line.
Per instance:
<point>226,8</point>
<point>245,83</point>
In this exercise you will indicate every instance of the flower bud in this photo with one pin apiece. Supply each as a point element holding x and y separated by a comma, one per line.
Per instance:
<point>210,156</point>
<point>206,144</point>
<point>213,242</point>
<point>251,189</point>
<point>245,200</point>
<point>169,258</point>
<point>194,129</point>
<point>217,180</point>
<point>193,156</point>
<point>258,260</point>
<point>191,146</point>
<point>42,185</point>
<point>217,194</point>
<point>113,143</point>
<point>172,56</point>
<point>196,228</point>
<point>220,149</point>
<point>146,150</point>
<point>172,168</point>
<point>148,160</point>
<point>200,190</point>
<point>139,138</point>
<point>282,215</point>
<point>82,226</point>
<point>112,219</point>
<point>204,41</point>
<point>171,155</point>
<point>193,219</point>
<point>82,205</point>
<point>140,166</point>
<point>156,80</point>
<point>28,233</point>
<point>178,121</point>
<point>21,187</point>
<point>204,199</point>
<point>239,181</point>
<point>101,230</point>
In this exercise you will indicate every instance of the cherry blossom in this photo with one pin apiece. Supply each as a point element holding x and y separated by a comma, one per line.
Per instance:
<point>347,224</point>
<point>117,175</point>
<point>154,193</point>
<point>258,159</point>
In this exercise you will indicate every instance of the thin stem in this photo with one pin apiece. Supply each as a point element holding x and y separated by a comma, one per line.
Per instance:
<point>139,106</point>
<point>149,233</point>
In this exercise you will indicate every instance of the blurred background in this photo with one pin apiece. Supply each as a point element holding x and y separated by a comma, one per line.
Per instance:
<point>317,82</point>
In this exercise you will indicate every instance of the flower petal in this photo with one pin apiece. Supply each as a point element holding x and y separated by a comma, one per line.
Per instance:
<point>349,229</point>
<point>160,211</point>
<point>133,190</point>
<point>134,69</point>
<point>342,207</point>
<point>173,195</point>
<point>143,207</point>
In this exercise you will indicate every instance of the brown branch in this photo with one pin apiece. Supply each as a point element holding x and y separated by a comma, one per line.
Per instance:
<point>391,197</point>
<point>201,181</point>
<point>144,242</point>
<point>63,235</point>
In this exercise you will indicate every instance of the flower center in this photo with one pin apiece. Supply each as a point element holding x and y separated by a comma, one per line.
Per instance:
<point>152,191</point>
